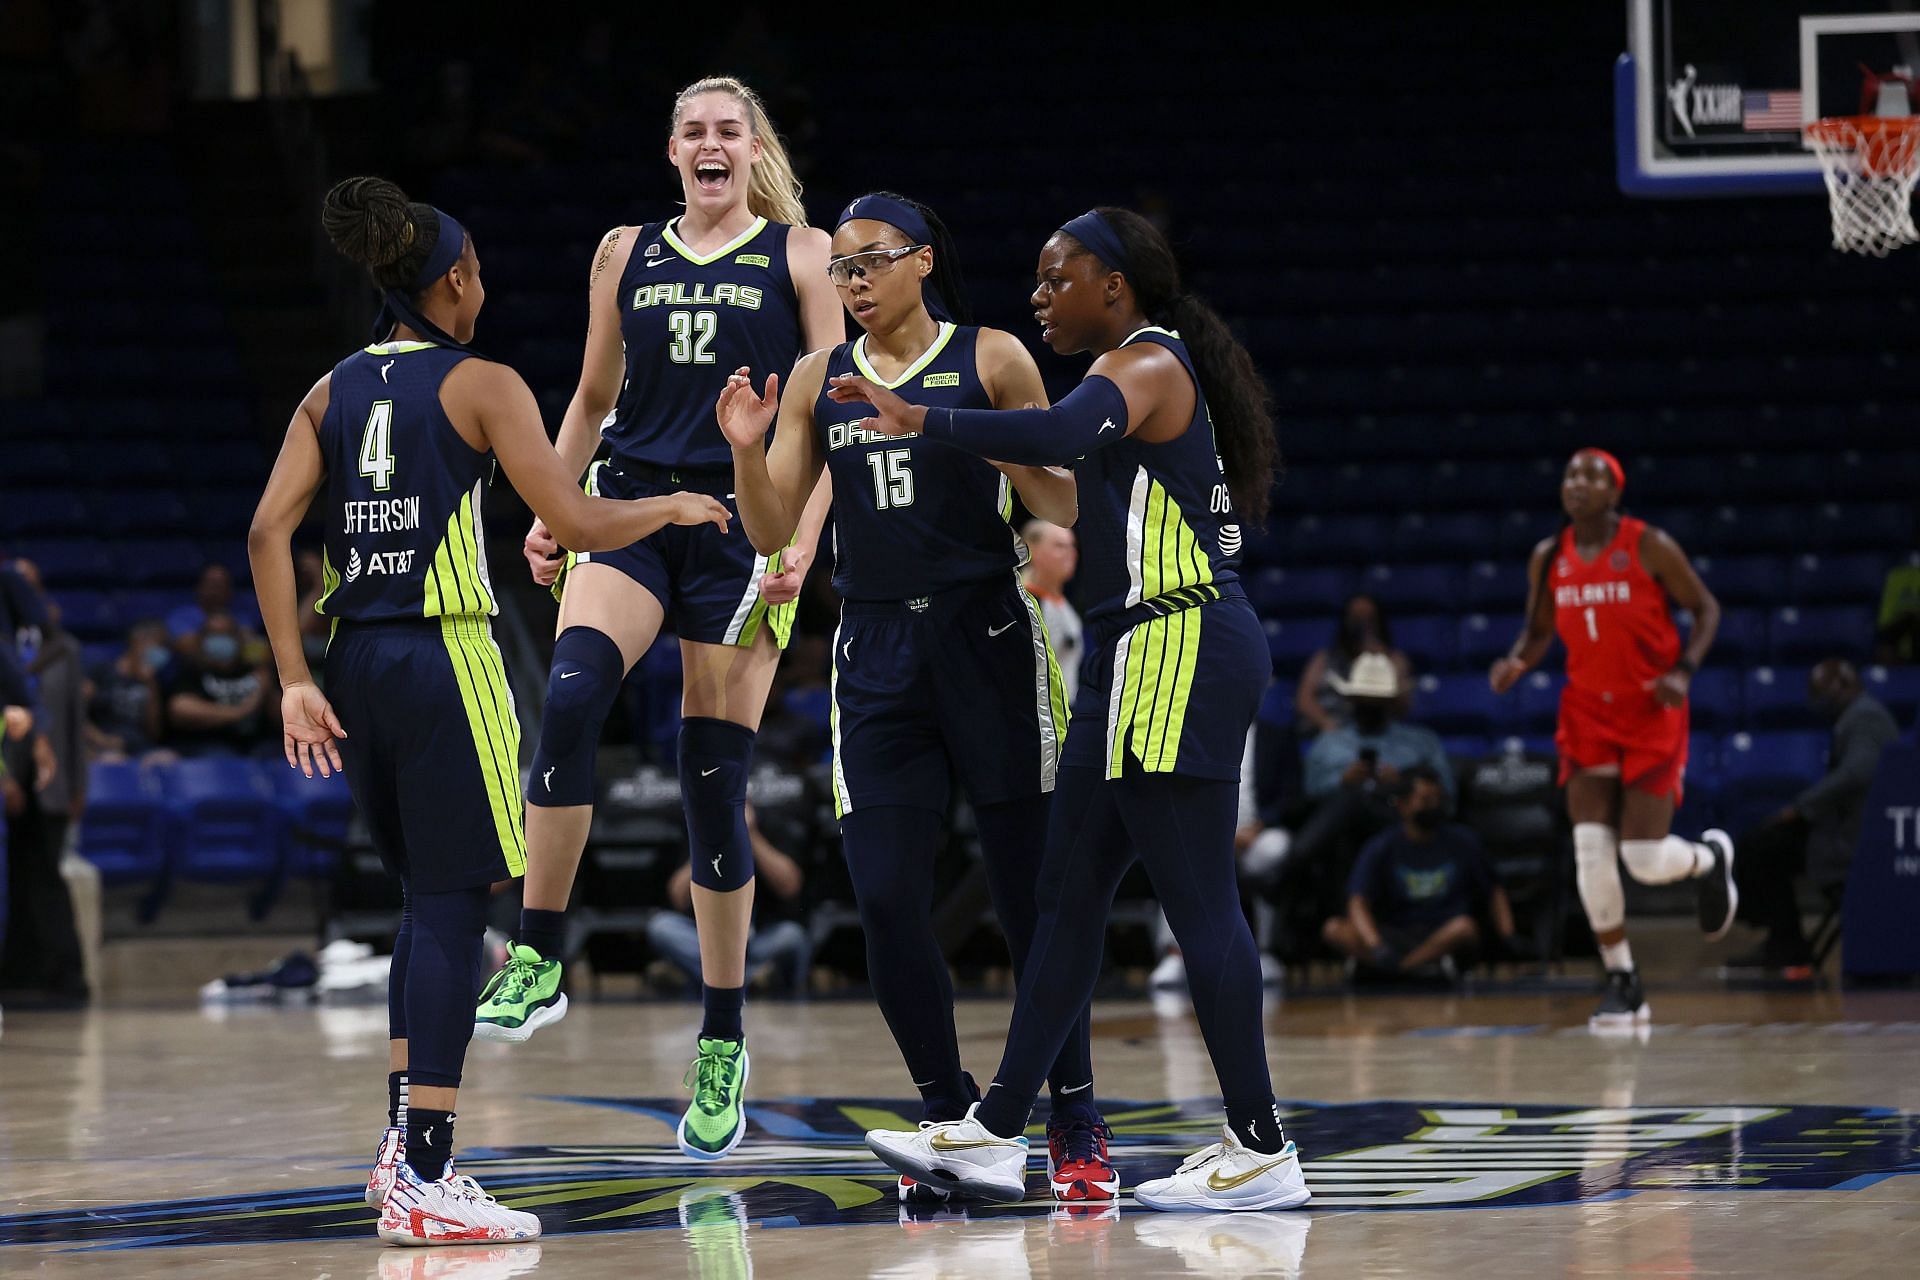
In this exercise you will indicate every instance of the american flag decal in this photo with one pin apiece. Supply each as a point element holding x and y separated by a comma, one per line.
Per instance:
<point>1770,111</point>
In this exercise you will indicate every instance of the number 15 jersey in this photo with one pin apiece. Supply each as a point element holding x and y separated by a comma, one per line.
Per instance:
<point>687,321</point>
<point>913,516</point>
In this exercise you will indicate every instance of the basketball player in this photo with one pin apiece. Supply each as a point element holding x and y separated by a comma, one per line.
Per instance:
<point>941,661</point>
<point>1607,584</point>
<point>1174,446</point>
<point>736,279</point>
<point>404,435</point>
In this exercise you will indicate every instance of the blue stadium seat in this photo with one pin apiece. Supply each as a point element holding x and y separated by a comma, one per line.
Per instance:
<point>1744,580</point>
<point>1536,702</point>
<point>1898,688</point>
<point>1338,539</point>
<point>1855,578</point>
<point>1801,637</point>
<point>1713,701</point>
<point>1485,637</point>
<point>1776,698</point>
<point>226,824</point>
<point>1449,536</point>
<point>1742,638</point>
<point>1276,704</point>
<point>814,704</point>
<point>1291,642</point>
<point>1762,772</point>
<point>1466,746</point>
<point>1456,705</point>
<point>123,831</point>
<point>1430,642</point>
<point>1497,585</point>
<point>1863,526</point>
<point>1413,587</point>
<point>1702,783</point>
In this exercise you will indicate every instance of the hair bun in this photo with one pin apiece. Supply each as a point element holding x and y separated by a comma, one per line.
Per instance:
<point>368,221</point>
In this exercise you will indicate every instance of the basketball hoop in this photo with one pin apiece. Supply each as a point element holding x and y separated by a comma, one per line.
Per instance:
<point>1870,164</point>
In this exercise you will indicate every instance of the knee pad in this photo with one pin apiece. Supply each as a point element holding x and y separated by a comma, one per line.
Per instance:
<point>714,758</point>
<point>443,980</point>
<point>1597,868</point>
<point>581,686</point>
<point>1661,861</point>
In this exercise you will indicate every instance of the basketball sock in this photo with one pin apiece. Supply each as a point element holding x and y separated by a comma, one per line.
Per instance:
<point>1013,843</point>
<point>443,981</point>
<point>948,1099</point>
<point>1256,1122</point>
<point>890,852</point>
<point>1616,956</point>
<point>720,1017</point>
<point>1071,1097</point>
<point>396,1099</point>
<point>429,1142</point>
<point>1002,1112</point>
<point>544,931</point>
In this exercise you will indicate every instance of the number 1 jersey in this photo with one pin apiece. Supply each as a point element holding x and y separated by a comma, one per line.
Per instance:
<point>1613,617</point>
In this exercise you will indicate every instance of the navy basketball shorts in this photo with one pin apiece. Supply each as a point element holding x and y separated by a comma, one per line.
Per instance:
<point>432,751</point>
<point>1172,694</point>
<point>707,581</point>
<point>962,682</point>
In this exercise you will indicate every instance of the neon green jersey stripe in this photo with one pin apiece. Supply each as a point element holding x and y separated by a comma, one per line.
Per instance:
<point>496,765</point>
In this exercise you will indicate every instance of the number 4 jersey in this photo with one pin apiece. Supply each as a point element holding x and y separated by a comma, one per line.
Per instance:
<point>913,516</point>
<point>403,530</point>
<point>688,320</point>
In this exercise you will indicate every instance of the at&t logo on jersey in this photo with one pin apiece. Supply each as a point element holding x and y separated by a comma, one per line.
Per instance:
<point>388,562</point>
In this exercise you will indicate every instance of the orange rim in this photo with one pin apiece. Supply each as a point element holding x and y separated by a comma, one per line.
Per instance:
<point>1884,146</point>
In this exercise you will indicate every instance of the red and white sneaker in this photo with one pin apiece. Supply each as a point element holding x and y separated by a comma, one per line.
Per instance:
<point>1077,1163</point>
<point>393,1144</point>
<point>912,1192</point>
<point>453,1210</point>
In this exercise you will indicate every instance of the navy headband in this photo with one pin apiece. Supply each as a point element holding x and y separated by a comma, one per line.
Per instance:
<point>912,225</point>
<point>396,307</point>
<point>1101,240</point>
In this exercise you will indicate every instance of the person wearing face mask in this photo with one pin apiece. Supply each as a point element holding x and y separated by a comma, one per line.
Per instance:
<point>1363,629</point>
<point>124,707</point>
<point>1815,834</point>
<point>1419,890</point>
<point>216,701</point>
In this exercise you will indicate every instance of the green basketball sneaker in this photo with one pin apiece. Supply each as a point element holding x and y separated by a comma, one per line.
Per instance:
<point>520,999</point>
<point>716,1121</point>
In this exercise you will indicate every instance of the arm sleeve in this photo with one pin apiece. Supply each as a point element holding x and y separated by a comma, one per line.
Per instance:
<point>1092,414</point>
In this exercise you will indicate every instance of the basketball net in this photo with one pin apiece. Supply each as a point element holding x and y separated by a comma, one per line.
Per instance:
<point>1870,163</point>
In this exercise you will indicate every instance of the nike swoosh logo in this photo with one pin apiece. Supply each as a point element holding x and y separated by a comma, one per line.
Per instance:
<point>940,1142</point>
<point>568,675</point>
<point>1217,1183</point>
<point>994,631</point>
<point>1076,1089</point>
<point>657,262</point>
<point>709,772</point>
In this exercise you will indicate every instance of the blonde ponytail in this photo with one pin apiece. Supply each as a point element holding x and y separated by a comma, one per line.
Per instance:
<point>773,192</point>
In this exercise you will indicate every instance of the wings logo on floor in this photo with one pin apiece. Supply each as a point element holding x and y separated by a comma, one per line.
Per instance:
<point>804,1165</point>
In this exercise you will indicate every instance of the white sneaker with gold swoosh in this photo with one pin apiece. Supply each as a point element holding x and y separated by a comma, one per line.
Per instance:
<point>1229,1176</point>
<point>962,1156</point>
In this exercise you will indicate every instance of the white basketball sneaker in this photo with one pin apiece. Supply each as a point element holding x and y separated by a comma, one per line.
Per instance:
<point>1220,1244</point>
<point>474,1262</point>
<point>1229,1176</point>
<point>452,1210</point>
<point>961,1156</point>
<point>380,1181</point>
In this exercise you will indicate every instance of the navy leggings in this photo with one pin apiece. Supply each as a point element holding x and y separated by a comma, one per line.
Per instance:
<point>435,980</point>
<point>1182,830</point>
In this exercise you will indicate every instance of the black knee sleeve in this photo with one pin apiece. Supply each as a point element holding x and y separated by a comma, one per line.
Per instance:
<point>581,686</point>
<point>715,756</point>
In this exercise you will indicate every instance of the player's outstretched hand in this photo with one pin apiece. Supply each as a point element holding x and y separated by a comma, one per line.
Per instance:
<point>892,415</point>
<point>1506,673</point>
<point>308,730</point>
<point>698,508</point>
<point>543,554</point>
<point>744,417</point>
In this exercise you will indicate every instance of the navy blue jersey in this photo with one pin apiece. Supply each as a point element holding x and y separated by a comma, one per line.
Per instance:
<point>1157,530</point>
<point>404,537</point>
<point>688,321</point>
<point>913,516</point>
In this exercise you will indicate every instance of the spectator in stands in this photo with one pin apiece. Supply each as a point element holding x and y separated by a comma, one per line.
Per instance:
<point>212,594</point>
<point>1363,629</point>
<point>1053,555</point>
<point>1898,638</point>
<point>124,708</point>
<point>1350,771</point>
<point>779,944</point>
<point>216,700</point>
<point>22,614</point>
<point>1420,890</point>
<point>1816,833</point>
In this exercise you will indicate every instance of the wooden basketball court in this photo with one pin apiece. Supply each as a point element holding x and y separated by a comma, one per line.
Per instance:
<point>1747,1133</point>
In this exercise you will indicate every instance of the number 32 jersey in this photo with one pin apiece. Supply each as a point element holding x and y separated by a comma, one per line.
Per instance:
<point>688,321</point>
<point>913,516</point>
